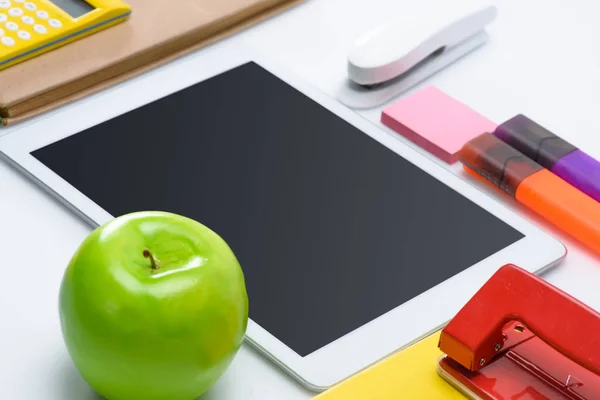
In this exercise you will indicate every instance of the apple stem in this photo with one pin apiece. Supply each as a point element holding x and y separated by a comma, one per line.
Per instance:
<point>149,255</point>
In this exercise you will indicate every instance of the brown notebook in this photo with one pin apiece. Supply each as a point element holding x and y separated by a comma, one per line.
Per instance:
<point>156,32</point>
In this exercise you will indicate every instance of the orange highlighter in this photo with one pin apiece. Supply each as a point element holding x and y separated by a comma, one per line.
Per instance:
<point>535,187</point>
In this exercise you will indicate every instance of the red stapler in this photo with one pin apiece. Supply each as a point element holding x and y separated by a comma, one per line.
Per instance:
<point>520,338</point>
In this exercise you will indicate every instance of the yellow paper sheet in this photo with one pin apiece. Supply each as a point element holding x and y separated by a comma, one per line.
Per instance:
<point>409,374</point>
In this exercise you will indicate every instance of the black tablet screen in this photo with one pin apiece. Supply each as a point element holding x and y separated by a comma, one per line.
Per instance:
<point>331,228</point>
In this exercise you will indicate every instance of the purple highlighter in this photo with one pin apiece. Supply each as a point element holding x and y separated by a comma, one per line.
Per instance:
<point>559,156</point>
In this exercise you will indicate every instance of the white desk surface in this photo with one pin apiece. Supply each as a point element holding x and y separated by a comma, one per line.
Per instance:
<point>542,60</point>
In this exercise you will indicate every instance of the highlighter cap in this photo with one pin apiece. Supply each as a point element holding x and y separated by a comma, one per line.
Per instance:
<point>497,162</point>
<point>533,140</point>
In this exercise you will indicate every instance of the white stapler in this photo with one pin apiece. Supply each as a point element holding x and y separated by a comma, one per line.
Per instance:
<point>394,56</point>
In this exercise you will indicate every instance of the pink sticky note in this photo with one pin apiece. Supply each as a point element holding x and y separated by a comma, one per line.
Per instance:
<point>436,122</point>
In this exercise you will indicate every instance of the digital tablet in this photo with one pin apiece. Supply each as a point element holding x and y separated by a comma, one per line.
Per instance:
<point>353,245</point>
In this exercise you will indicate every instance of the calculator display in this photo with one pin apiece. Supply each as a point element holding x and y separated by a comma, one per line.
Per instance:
<point>75,8</point>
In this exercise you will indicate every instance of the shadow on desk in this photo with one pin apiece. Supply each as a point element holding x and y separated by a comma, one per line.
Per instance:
<point>71,385</point>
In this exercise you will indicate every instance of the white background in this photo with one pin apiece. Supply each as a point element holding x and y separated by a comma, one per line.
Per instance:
<point>543,60</point>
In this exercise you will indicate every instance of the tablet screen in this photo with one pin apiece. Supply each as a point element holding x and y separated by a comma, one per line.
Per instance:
<point>332,229</point>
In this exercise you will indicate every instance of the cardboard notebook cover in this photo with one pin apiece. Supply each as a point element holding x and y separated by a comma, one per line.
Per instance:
<point>156,33</point>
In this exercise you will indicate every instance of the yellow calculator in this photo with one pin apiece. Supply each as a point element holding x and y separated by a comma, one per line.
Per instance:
<point>29,28</point>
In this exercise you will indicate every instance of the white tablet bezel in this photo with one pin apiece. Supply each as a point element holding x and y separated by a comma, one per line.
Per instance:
<point>356,350</point>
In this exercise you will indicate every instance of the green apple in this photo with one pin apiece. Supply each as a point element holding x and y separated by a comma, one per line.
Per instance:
<point>153,306</point>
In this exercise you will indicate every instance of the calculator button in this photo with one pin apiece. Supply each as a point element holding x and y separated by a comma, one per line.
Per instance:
<point>8,41</point>
<point>5,4</point>
<point>42,14</point>
<point>30,6</point>
<point>11,26</point>
<point>24,35</point>
<point>40,28</point>
<point>3,18</point>
<point>15,12</point>
<point>1,32</point>
<point>55,23</point>
<point>28,20</point>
